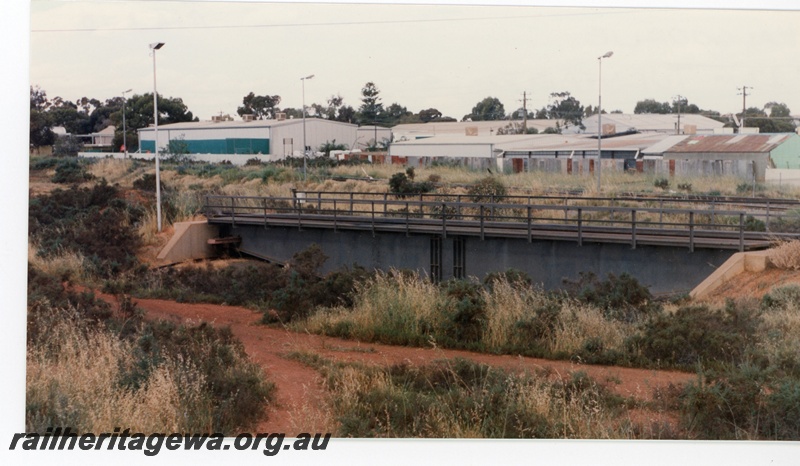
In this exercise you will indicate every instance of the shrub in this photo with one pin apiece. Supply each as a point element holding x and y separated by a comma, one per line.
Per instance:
<point>622,298</point>
<point>662,183</point>
<point>148,183</point>
<point>465,311</point>
<point>685,187</point>
<point>401,185</point>
<point>743,402</point>
<point>697,333</point>
<point>786,255</point>
<point>486,190</point>
<point>92,221</point>
<point>71,171</point>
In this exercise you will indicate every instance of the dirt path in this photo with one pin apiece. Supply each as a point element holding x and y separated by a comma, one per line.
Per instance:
<point>300,396</point>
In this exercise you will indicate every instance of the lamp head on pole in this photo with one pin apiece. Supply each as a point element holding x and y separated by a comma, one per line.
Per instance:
<point>607,55</point>
<point>307,77</point>
<point>156,45</point>
<point>125,92</point>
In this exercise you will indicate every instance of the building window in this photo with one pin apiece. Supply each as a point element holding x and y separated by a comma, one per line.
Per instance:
<point>459,257</point>
<point>436,259</point>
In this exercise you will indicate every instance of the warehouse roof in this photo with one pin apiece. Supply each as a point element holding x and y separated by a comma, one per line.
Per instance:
<point>189,125</point>
<point>483,128</point>
<point>730,143</point>
<point>650,122</point>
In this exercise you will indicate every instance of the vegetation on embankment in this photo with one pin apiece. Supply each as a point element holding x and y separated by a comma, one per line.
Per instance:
<point>745,353</point>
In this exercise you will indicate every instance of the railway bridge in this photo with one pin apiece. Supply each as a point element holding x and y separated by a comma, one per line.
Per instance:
<point>669,244</point>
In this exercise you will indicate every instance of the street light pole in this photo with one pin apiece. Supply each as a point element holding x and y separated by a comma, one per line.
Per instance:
<point>305,152</point>
<point>155,46</point>
<point>124,129</point>
<point>600,115</point>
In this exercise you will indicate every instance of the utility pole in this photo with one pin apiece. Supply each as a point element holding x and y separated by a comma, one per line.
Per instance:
<point>525,100</point>
<point>744,95</point>
<point>678,128</point>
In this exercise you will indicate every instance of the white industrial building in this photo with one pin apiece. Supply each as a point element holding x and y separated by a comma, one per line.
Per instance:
<point>240,140</point>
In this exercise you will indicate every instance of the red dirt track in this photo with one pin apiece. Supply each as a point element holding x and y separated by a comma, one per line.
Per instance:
<point>299,392</point>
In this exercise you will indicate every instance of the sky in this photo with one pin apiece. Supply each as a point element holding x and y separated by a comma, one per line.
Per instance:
<point>443,56</point>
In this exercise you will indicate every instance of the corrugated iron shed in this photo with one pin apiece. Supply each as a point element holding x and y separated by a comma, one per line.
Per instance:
<point>737,143</point>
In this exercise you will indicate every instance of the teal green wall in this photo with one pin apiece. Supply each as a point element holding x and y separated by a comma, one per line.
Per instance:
<point>787,155</point>
<point>219,146</point>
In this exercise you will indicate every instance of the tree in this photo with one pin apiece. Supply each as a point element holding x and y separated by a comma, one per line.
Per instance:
<point>487,109</point>
<point>565,107</point>
<point>41,131</point>
<point>778,121</point>
<point>394,113</point>
<point>429,114</point>
<point>371,109</point>
<point>262,107</point>
<point>652,106</point>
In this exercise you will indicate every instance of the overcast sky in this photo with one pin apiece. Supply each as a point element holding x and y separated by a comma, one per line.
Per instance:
<point>443,56</point>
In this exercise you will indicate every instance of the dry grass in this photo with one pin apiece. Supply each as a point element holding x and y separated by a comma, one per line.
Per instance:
<point>73,381</point>
<point>67,264</point>
<point>436,401</point>
<point>786,255</point>
<point>118,171</point>
<point>390,306</point>
<point>578,321</point>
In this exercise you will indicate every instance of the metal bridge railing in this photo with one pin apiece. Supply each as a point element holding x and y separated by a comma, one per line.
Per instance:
<point>439,215</point>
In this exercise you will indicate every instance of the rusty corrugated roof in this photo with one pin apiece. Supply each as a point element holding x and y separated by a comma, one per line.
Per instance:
<point>729,143</point>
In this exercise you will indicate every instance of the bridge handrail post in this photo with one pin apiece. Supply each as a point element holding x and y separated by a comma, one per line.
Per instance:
<point>265,213</point>
<point>233,211</point>
<point>335,226</point>
<point>767,222</point>
<point>351,204</point>
<point>385,203</point>
<point>298,207</point>
<point>373,218</point>
<point>691,231</point>
<point>580,226</point>
<point>408,212</point>
<point>482,232</point>
<point>458,202</point>
<point>421,205</point>
<point>633,228</point>
<point>529,223</point>
<point>319,200</point>
<point>661,214</point>
<point>444,221</point>
<point>741,231</point>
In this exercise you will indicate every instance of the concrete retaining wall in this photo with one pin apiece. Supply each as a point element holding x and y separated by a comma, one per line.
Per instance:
<point>189,242</point>
<point>755,261</point>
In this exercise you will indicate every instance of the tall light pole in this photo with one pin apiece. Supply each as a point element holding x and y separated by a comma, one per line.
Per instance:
<point>155,46</point>
<point>600,115</point>
<point>305,152</point>
<point>124,129</point>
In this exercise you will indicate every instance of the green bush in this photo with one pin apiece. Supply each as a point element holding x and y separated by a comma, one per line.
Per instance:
<point>621,297</point>
<point>465,311</point>
<point>662,183</point>
<point>71,170</point>
<point>742,402</point>
<point>487,189</point>
<point>93,221</point>
<point>697,333</point>
<point>401,185</point>
<point>148,183</point>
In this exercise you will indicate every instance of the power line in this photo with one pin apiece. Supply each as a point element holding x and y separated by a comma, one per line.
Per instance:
<point>335,23</point>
